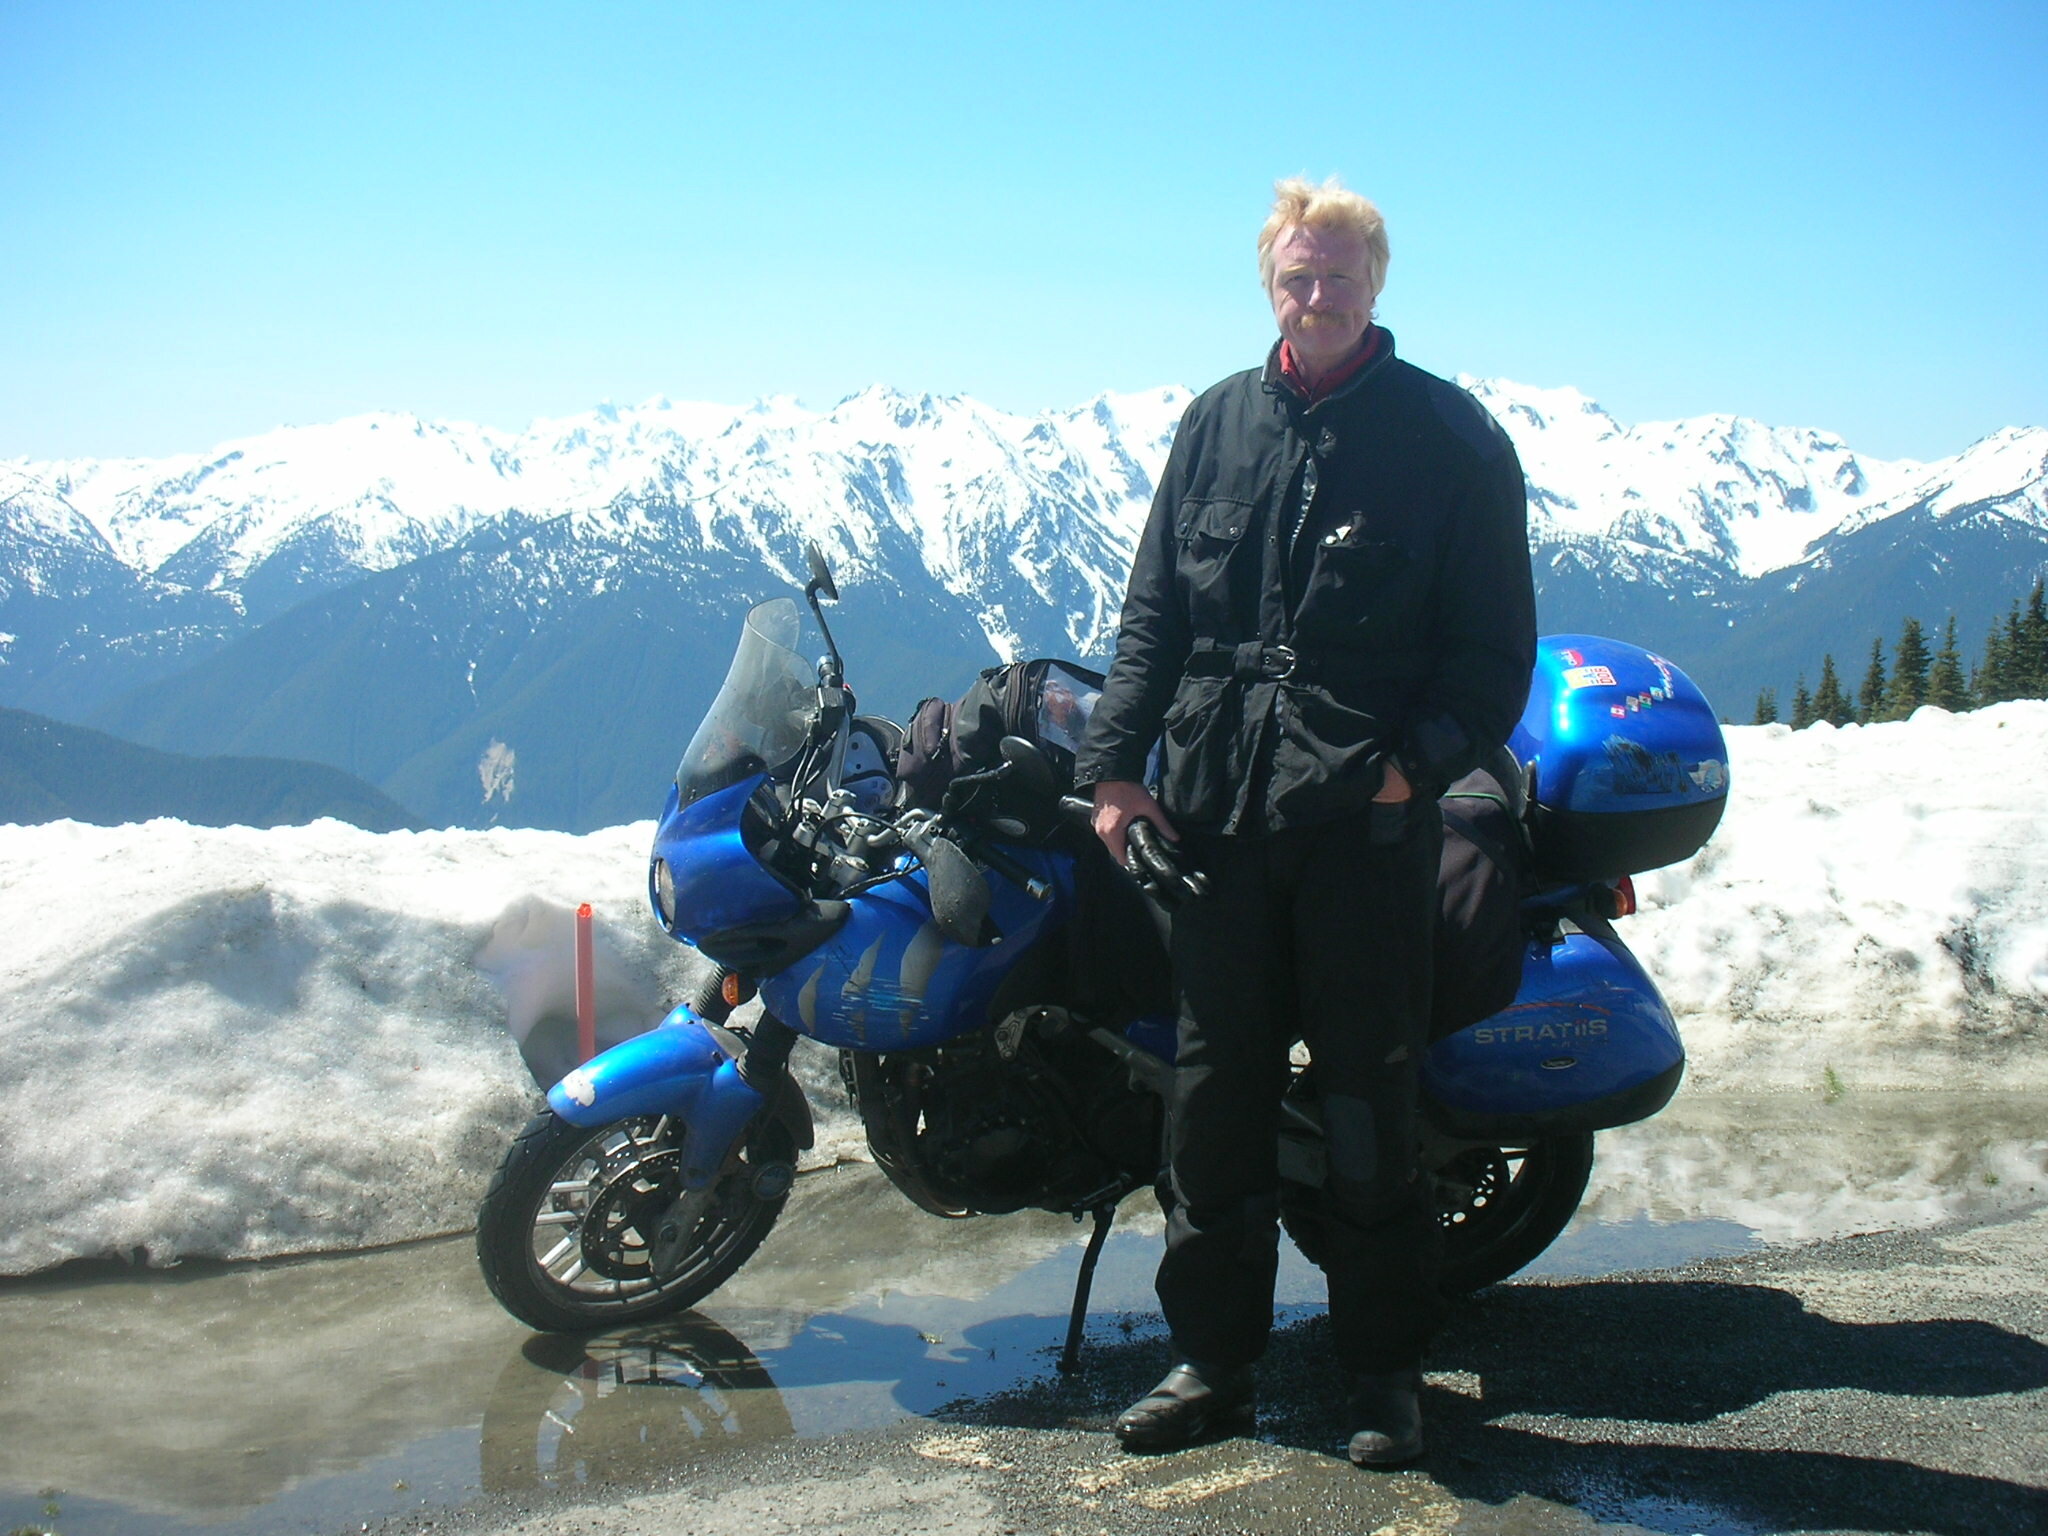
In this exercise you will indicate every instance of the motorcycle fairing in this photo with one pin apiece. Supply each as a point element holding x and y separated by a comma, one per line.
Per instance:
<point>680,1068</point>
<point>1587,1044</point>
<point>719,883</point>
<point>887,980</point>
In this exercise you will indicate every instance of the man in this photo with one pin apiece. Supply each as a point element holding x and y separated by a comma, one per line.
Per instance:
<point>1329,619</point>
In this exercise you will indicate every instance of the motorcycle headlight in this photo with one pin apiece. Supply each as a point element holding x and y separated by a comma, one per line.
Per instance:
<point>664,894</point>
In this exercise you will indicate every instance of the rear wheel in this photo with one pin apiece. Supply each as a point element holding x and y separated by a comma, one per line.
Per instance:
<point>1502,1206</point>
<point>587,1228</point>
<point>1499,1206</point>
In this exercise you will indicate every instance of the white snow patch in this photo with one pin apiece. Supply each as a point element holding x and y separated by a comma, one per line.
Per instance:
<point>1875,903</point>
<point>497,767</point>
<point>240,1043</point>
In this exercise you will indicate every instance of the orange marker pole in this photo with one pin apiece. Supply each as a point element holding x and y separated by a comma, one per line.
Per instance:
<point>586,987</point>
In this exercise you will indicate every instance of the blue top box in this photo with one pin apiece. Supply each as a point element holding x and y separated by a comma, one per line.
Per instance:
<point>1629,768</point>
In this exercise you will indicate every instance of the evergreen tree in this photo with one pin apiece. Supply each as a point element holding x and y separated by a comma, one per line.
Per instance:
<point>1766,708</point>
<point>2030,669</point>
<point>1870,701</point>
<point>1993,682</point>
<point>1907,690</point>
<point>1802,706</point>
<point>1829,702</point>
<point>1945,686</point>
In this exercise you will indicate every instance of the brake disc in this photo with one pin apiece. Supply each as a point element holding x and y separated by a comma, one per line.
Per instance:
<point>619,1226</point>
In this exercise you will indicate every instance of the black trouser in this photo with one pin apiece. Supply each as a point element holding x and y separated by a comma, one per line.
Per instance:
<point>1321,932</point>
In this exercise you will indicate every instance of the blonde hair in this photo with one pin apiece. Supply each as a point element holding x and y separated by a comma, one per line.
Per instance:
<point>1300,204</point>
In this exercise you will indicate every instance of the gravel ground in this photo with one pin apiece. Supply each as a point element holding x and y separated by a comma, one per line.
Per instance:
<point>1894,1382</point>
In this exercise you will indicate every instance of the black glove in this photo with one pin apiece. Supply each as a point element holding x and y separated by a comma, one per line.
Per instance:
<point>1156,866</point>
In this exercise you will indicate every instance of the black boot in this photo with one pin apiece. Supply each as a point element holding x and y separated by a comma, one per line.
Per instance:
<point>1193,1396</point>
<point>1385,1417</point>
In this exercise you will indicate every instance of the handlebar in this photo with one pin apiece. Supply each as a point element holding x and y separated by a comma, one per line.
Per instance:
<point>1010,869</point>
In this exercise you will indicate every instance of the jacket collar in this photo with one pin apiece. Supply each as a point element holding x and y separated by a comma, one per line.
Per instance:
<point>1274,376</point>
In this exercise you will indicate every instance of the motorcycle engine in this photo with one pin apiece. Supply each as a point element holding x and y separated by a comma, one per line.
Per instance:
<point>1024,1114</point>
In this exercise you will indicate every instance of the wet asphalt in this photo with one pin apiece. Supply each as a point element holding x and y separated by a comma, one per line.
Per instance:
<point>1889,1383</point>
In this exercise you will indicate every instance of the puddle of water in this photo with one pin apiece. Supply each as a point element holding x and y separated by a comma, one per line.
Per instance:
<point>313,1395</point>
<point>1718,1175</point>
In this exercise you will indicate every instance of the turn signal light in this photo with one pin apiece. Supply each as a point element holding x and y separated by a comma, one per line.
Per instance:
<point>1613,900</point>
<point>736,989</point>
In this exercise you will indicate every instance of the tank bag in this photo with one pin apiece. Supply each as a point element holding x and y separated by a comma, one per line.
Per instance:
<point>1043,700</point>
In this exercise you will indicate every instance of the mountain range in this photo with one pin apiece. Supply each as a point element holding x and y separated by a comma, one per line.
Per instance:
<point>524,627</point>
<point>50,771</point>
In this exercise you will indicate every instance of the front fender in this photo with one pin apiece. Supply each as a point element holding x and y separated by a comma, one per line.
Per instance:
<point>685,1068</point>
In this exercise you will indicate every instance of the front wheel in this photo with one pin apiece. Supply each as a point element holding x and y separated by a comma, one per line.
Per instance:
<point>582,1228</point>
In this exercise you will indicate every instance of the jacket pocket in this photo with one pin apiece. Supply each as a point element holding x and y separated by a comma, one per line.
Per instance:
<point>1198,747</point>
<point>1361,590</point>
<point>1210,532</point>
<point>1325,762</point>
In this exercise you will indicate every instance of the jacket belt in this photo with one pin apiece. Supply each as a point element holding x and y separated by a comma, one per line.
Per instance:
<point>1256,661</point>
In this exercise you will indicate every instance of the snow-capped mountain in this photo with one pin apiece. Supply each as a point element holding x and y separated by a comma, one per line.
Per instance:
<point>271,519</point>
<point>1730,491</point>
<point>394,596</point>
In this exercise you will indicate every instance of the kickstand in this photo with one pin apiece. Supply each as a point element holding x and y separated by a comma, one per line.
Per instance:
<point>1070,1357</point>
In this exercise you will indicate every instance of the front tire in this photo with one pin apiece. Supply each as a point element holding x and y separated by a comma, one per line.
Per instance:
<point>567,1231</point>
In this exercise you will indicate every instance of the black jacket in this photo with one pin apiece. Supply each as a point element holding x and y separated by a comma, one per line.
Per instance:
<point>1403,601</point>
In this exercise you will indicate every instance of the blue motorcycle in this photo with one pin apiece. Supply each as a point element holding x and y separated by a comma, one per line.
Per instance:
<point>1000,1053</point>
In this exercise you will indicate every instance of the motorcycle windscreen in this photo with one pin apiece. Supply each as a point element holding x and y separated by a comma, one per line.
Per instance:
<point>762,715</point>
<point>1587,1044</point>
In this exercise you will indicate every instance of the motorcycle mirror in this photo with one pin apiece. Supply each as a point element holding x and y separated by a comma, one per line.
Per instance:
<point>959,894</point>
<point>821,573</point>
<point>821,585</point>
<point>1029,769</point>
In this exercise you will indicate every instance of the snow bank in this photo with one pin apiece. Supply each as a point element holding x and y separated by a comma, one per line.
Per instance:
<point>1794,1167</point>
<point>239,1043</point>
<point>1875,906</point>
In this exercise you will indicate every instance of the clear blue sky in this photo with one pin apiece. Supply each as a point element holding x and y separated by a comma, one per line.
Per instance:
<point>215,218</point>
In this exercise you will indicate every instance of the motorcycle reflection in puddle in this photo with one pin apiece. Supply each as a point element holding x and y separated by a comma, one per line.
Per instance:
<point>625,1406</point>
